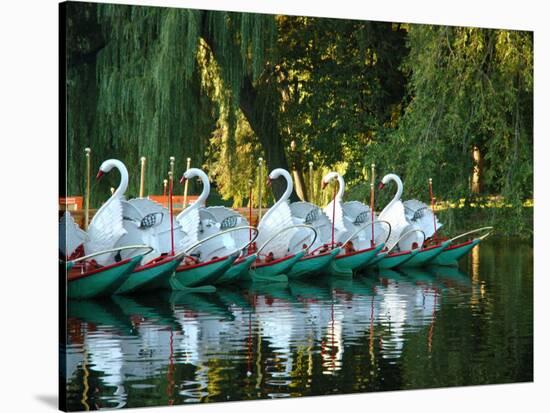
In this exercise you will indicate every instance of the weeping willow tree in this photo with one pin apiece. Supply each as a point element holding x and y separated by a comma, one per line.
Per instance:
<point>137,86</point>
<point>470,93</point>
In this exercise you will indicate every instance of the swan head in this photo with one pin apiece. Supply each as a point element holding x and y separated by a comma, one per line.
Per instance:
<point>328,178</point>
<point>106,167</point>
<point>194,172</point>
<point>277,173</point>
<point>387,178</point>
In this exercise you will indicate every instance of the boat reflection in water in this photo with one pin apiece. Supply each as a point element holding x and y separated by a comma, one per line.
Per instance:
<point>374,332</point>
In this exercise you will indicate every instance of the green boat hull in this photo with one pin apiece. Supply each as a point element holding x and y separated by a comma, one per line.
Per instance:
<point>377,259</point>
<point>273,272</point>
<point>237,271</point>
<point>312,265</point>
<point>395,260</point>
<point>345,265</point>
<point>451,255</point>
<point>103,283</point>
<point>149,278</point>
<point>200,274</point>
<point>425,255</point>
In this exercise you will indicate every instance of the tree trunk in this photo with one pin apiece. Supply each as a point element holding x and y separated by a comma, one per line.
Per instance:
<point>477,183</point>
<point>300,184</point>
<point>260,111</point>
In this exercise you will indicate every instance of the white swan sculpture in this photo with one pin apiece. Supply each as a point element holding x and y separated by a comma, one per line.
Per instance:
<point>279,217</point>
<point>348,217</point>
<point>70,236</point>
<point>420,214</point>
<point>106,227</point>
<point>305,213</point>
<point>395,214</point>
<point>197,222</point>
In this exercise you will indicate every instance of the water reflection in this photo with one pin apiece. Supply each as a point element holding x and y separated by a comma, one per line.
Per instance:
<point>305,338</point>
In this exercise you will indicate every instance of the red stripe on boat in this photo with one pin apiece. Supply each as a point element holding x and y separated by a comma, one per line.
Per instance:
<point>397,254</point>
<point>155,263</point>
<point>452,247</point>
<point>71,277</point>
<point>430,248</point>
<point>310,256</point>
<point>263,264</point>
<point>182,268</point>
<point>354,253</point>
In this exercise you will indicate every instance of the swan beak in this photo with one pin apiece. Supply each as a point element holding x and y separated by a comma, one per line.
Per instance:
<point>99,175</point>
<point>182,180</point>
<point>324,184</point>
<point>269,182</point>
<point>381,185</point>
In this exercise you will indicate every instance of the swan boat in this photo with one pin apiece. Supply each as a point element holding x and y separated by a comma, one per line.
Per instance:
<point>86,278</point>
<point>319,254</point>
<point>213,240</point>
<point>351,222</point>
<point>454,252</point>
<point>411,222</point>
<point>418,215</point>
<point>283,242</point>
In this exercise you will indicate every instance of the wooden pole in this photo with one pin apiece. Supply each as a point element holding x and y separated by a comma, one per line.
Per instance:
<point>88,152</point>
<point>171,179</point>
<point>311,191</point>
<point>185,188</point>
<point>165,182</point>
<point>260,163</point>
<point>142,177</point>
<point>172,161</point>
<point>333,215</point>
<point>250,185</point>
<point>433,205</point>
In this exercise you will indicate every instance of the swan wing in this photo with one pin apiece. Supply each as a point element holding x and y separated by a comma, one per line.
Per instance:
<point>358,212</point>
<point>395,215</point>
<point>359,215</point>
<point>146,222</point>
<point>310,214</point>
<point>339,223</point>
<point>189,226</point>
<point>422,216</point>
<point>105,230</point>
<point>70,235</point>
<point>227,219</point>
<point>276,219</point>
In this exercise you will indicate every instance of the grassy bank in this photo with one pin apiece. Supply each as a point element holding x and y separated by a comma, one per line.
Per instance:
<point>508,221</point>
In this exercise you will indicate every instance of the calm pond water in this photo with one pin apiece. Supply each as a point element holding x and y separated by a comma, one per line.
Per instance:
<point>391,330</point>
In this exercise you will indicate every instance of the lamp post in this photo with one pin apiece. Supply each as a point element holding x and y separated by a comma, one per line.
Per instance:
<point>88,152</point>
<point>142,177</point>
<point>260,164</point>
<point>185,188</point>
<point>311,191</point>
<point>372,166</point>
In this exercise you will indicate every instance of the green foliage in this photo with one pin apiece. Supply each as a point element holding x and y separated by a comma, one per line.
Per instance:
<point>468,87</point>
<point>342,84</point>
<point>142,91</point>
<point>226,88</point>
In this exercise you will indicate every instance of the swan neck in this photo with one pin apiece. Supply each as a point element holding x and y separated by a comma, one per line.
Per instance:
<point>284,197</point>
<point>123,185</point>
<point>201,200</point>
<point>341,185</point>
<point>398,193</point>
